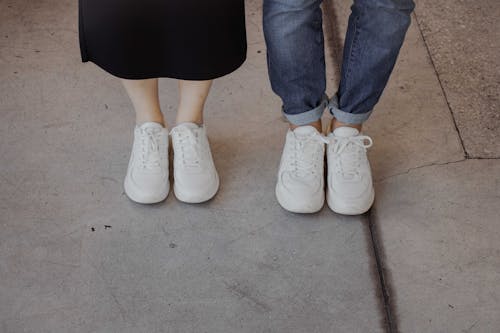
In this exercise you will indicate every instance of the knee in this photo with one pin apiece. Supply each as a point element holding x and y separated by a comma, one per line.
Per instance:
<point>402,6</point>
<point>291,5</point>
<point>386,19</point>
<point>389,17</point>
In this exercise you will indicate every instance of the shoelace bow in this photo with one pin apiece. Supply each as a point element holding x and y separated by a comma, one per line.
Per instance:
<point>303,159</point>
<point>189,147</point>
<point>150,148</point>
<point>349,152</point>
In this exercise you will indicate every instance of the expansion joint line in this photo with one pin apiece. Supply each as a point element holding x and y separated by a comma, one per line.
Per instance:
<point>441,85</point>
<point>390,313</point>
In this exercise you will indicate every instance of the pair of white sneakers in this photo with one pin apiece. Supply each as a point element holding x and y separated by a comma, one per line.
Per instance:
<point>300,186</point>
<point>195,177</point>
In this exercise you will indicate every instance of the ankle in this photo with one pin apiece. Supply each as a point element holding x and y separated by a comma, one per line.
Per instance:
<point>139,120</point>
<point>198,120</point>
<point>317,125</point>
<point>334,124</point>
<point>180,122</point>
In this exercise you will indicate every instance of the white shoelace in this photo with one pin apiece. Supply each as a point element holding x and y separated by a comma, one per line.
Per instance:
<point>150,148</point>
<point>349,152</point>
<point>189,147</point>
<point>303,159</point>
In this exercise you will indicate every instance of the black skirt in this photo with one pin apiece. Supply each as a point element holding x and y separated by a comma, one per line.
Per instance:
<point>183,39</point>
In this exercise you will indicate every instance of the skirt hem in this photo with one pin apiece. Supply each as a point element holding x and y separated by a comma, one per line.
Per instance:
<point>172,75</point>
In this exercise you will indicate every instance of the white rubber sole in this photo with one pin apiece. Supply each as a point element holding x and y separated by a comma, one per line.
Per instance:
<point>300,207</point>
<point>134,194</point>
<point>341,207</point>
<point>197,197</point>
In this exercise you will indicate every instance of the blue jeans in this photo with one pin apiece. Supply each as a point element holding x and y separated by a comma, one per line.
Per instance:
<point>296,59</point>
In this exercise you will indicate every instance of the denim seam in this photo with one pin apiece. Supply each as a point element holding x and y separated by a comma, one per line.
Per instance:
<point>351,50</point>
<point>321,35</point>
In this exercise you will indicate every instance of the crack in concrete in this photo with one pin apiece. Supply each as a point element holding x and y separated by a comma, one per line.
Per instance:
<point>484,158</point>
<point>471,327</point>
<point>441,85</point>
<point>434,164</point>
<point>420,167</point>
<point>244,292</point>
<point>107,286</point>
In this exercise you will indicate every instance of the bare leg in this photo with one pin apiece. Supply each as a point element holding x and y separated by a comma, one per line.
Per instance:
<point>193,95</point>
<point>336,124</point>
<point>333,125</point>
<point>144,97</point>
<point>317,125</point>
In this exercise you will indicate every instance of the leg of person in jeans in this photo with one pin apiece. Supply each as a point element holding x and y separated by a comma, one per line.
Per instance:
<point>376,31</point>
<point>296,67</point>
<point>296,61</point>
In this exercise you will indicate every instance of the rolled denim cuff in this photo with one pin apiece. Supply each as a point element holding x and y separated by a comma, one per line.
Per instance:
<point>307,117</point>
<point>346,117</point>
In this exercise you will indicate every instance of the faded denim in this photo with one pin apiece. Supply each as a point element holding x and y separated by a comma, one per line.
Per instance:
<point>296,57</point>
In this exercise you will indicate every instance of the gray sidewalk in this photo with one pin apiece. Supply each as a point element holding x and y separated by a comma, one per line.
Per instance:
<point>77,256</point>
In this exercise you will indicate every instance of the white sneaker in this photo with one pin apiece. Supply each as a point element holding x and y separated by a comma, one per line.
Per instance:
<point>350,188</point>
<point>147,175</point>
<point>300,186</point>
<point>195,177</point>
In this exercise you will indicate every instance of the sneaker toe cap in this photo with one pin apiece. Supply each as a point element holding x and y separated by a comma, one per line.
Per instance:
<point>304,187</point>
<point>196,188</point>
<point>147,188</point>
<point>300,197</point>
<point>351,189</point>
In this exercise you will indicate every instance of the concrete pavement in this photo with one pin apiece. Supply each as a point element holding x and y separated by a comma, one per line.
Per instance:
<point>77,256</point>
<point>464,41</point>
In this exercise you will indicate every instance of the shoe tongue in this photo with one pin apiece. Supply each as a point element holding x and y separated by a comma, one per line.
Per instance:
<point>150,125</point>
<point>188,125</point>
<point>304,130</point>
<point>345,132</point>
